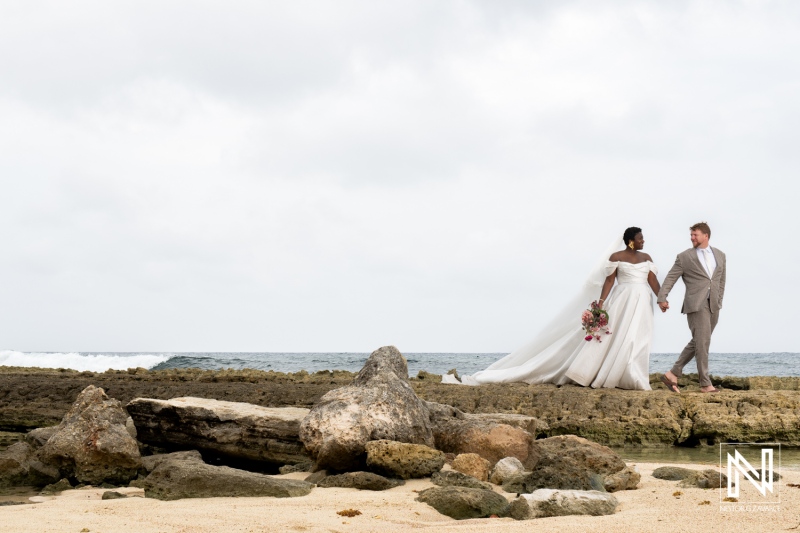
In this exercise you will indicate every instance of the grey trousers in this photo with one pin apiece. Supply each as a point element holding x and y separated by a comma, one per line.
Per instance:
<point>701,324</point>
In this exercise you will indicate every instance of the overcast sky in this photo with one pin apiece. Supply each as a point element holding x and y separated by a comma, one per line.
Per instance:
<point>338,176</point>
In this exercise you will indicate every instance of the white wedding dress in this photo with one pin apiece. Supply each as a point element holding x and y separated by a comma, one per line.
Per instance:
<point>560,354</point>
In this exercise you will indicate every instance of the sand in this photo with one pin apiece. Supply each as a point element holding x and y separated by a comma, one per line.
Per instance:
<point>650,508</point>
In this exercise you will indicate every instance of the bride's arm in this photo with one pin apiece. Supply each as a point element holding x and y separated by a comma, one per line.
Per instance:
<point>607,284</point>
<point>653,282</point>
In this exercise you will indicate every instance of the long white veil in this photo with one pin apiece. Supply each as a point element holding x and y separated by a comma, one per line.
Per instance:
<point>567,320</point>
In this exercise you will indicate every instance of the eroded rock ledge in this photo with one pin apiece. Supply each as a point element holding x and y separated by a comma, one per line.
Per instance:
<point>751,410</point>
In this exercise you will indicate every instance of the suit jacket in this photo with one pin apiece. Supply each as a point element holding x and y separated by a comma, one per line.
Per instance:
<point>687,266</point>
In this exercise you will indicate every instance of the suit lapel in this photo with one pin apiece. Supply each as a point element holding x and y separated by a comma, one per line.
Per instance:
<point>718,270</point>
<point>696,261</point>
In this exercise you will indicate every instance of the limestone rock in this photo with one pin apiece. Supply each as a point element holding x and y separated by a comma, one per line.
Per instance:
<point>379,405</point>
<point>39,436</point>
<point>300,467</point>
<point>473,465</point>
<point>491,440</point>
<point>705,479</point>
<point>453,478</point>
<point>359,480</point>
<point>151,461</point>
<point>317,477</point>
<point>59,486</point>
<point>92,443</point>
<point>399,459</point>
<point>463,503</point>
<point>19,467</point>
<point>112,495</point>
<point>672,473</point>
<point>626,479</point>
<point>572,463</point>
<point>231,429</point>
<point>548,502</point>
<point>177,476</point>
<point>504,469</point>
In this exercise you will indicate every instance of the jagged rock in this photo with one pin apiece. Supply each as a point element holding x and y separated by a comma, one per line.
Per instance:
<point>473,465</point>
<point>705,479</point>
<point>453,478</point>
<point>568,463</point>
<point>399,459</point>
<point>504,469</point>
<point>360,480</point>
<point>57,487</point>
<point>92,443</point>
<point>176,476</point>
<point>231,429</point>
<point>672,473</point>
<point>38,437</point>
<point>300,467</point>
<point>462,503</point>
<point>19,467</point>
<point>379,405</point>
<point>626,479</point>
<point>548,502</point>
<point>112,495</point>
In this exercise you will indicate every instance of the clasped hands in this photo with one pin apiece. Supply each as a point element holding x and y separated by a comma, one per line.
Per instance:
<point>664,306</point>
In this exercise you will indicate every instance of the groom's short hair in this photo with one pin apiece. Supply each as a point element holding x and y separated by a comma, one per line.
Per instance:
<point>702,226</point>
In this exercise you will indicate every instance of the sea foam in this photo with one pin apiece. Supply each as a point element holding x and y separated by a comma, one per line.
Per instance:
<point>78,361</point>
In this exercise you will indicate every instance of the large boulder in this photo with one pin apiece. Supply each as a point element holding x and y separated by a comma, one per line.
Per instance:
<point>486,437</point>
<point>547,502</point>
<point>359,480</point>
<point>239,431</point>
<point>569,463</point>
<point>399,459</point>
<point>93,443</point>
<point>20,467</point>
<point>462,503</point>
<point>184,475</point>
<point>379,405</point>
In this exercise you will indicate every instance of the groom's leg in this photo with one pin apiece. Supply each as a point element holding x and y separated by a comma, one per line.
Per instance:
<point>683,359</point>
<point>702,324</point>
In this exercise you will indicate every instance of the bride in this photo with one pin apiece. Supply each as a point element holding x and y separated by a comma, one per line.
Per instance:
<point>561,354</point>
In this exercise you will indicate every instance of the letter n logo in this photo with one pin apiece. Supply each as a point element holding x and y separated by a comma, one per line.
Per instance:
<point>761,480</point>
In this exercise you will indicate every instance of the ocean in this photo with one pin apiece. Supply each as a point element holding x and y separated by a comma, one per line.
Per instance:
<point>721,364</point>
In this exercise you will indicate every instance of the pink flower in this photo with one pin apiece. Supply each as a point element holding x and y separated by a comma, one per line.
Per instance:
<point>588,338</point>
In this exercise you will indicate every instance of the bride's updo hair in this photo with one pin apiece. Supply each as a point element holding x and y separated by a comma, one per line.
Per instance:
<point>630,233</point>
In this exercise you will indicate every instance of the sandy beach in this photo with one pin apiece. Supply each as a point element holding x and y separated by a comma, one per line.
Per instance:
<point>650,508</point>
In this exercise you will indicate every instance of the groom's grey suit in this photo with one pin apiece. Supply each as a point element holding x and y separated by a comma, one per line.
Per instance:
<point>701,305</point>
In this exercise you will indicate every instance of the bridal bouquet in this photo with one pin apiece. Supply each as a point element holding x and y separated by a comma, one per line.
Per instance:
<point>595,322</point>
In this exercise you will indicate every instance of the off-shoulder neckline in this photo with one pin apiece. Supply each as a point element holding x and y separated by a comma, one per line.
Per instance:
<point>629,263</point>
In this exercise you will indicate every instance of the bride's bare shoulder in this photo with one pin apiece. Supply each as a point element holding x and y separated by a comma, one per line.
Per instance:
<point>615,256</point>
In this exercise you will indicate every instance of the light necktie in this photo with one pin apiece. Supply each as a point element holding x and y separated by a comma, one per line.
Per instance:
<point>708,263</point>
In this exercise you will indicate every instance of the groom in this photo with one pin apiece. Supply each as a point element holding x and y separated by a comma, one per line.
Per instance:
<point>703,271</point>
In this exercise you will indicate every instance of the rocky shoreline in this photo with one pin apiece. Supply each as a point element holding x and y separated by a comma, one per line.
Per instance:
<point>513,451</point>
<point>755,409</point>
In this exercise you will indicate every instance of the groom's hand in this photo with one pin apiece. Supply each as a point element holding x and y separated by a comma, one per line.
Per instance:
<point>664,306</point>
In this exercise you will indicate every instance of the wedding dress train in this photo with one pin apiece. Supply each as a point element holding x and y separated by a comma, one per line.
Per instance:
<point>560,354</point>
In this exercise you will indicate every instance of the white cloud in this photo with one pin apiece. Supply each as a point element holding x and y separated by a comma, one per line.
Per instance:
<point>313,176</point>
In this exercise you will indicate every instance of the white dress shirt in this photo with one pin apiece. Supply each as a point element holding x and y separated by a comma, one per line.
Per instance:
<point>704,254</point>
